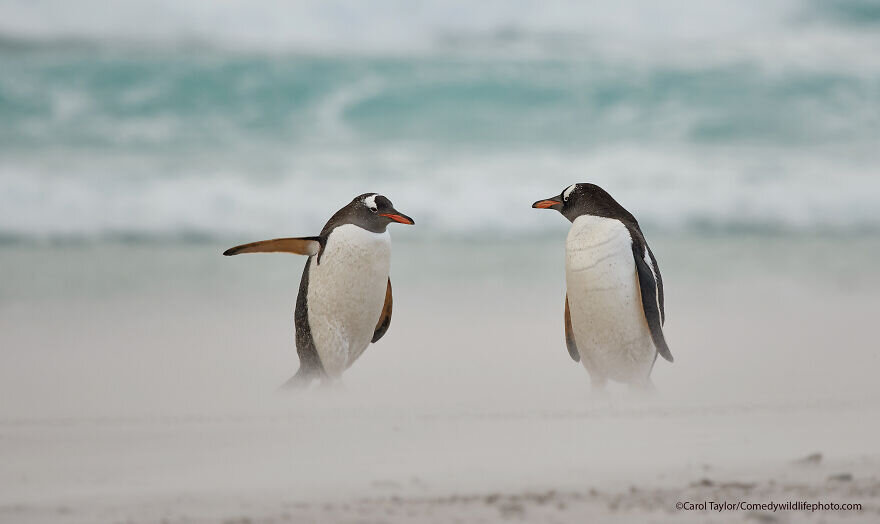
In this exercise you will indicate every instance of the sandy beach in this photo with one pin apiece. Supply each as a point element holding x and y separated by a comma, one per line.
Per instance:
<point>138,385</point>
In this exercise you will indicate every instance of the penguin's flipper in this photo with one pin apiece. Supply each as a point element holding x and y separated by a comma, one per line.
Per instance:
<point>300,246</point>
<point>650,297</point>
<point>659,283</point>
<point>385,317</point>
<point>569,335</point>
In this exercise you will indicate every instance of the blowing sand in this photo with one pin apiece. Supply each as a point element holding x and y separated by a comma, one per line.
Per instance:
<point>138,385</point>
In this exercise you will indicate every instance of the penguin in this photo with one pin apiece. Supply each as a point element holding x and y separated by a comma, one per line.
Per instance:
<point>344,300</point>
<point>614,312</point>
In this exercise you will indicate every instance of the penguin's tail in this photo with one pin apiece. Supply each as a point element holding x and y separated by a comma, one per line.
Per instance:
<point>300,381</point>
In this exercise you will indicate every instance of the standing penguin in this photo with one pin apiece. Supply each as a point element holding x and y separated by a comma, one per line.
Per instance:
<point>344,300</point>
<point>614,305</point>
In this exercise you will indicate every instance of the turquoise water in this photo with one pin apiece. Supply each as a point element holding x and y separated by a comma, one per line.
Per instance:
<point>217,121</point>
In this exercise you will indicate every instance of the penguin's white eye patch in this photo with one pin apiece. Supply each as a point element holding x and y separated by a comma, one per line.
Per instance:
<point>370,202</point>
<point>567,192</point>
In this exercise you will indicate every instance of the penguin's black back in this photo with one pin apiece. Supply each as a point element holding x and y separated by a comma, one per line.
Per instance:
<point>309,362</point>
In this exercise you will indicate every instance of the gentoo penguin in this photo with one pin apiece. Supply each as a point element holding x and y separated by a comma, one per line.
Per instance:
<point>614,304</point>
<point>344,300</point>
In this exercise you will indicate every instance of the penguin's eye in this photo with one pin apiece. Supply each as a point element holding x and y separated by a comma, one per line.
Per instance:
<point>373,208</point>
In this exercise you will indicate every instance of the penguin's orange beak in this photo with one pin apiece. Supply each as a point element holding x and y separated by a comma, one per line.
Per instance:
<point>547,203</point>
<point>398,217</point>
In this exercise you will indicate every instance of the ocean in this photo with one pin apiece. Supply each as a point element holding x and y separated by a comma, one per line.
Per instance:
<point>241,119</point>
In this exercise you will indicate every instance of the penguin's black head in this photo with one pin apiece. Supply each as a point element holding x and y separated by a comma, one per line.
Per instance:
<point>374,212</point>
<point>585,199</point>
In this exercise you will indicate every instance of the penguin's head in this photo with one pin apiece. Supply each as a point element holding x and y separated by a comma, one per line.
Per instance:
<point>584,199</point>
<point>374,212</point>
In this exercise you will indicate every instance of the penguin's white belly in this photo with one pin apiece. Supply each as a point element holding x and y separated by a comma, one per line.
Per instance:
<point>346,294</point>
<point>605,301</point>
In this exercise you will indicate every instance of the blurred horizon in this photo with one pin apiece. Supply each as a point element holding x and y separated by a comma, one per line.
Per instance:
<point>187,120</point>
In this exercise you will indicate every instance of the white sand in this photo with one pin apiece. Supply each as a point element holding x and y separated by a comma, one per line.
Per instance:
<point>155,402</point>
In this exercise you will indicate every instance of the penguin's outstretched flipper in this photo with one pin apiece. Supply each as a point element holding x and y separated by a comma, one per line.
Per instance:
<point>299,246</point>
